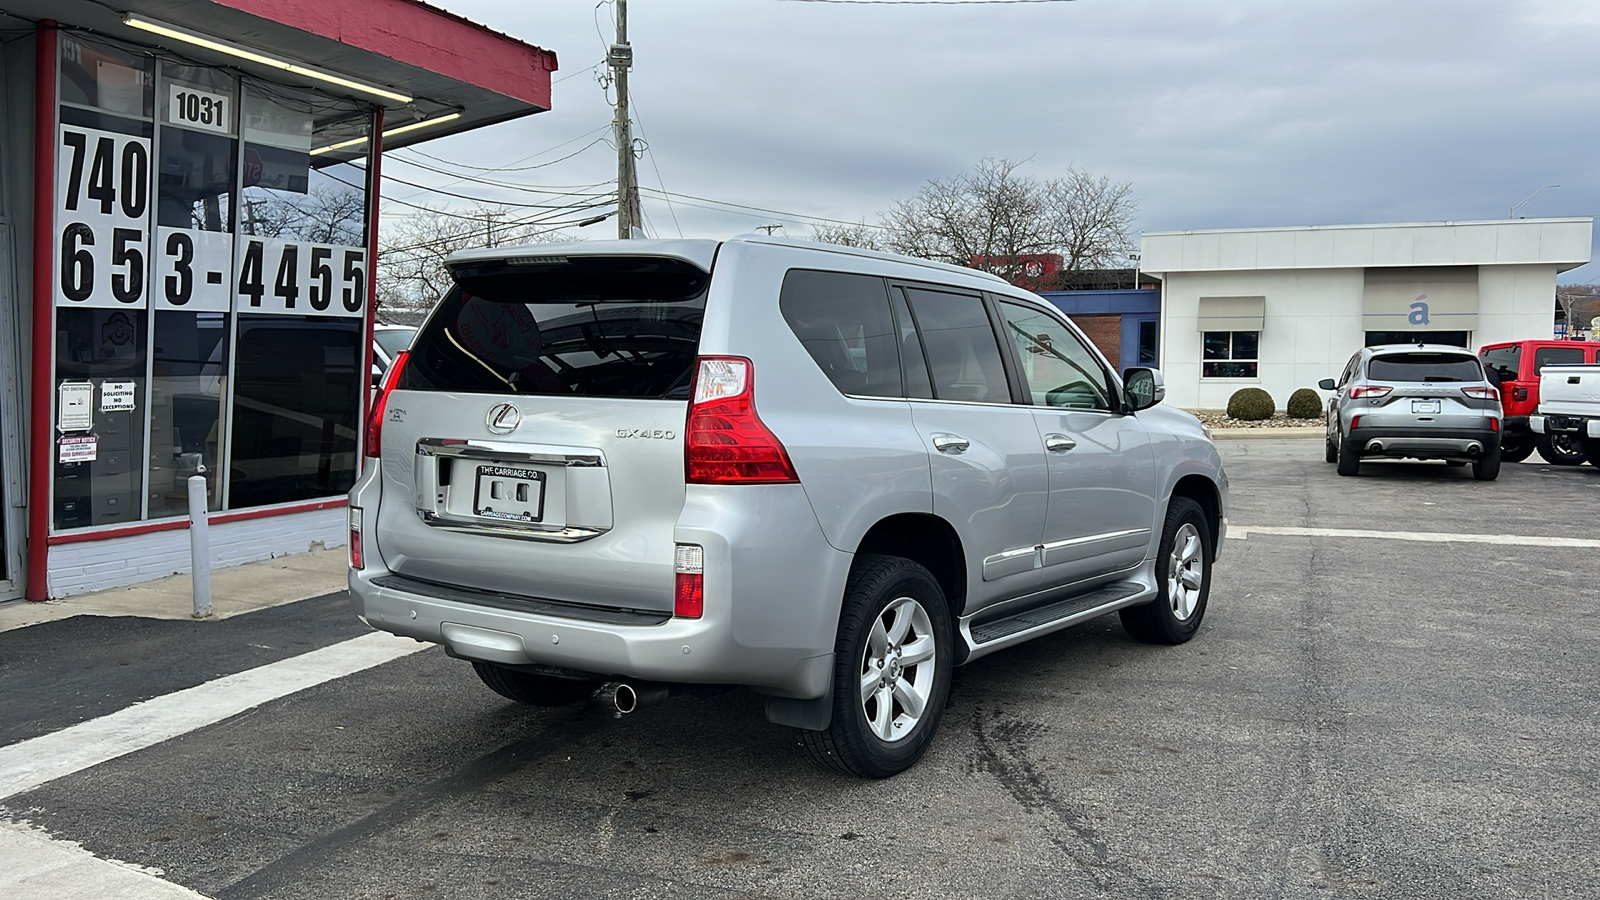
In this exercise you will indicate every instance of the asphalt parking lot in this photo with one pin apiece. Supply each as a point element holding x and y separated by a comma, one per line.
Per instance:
<point>1360,716</point>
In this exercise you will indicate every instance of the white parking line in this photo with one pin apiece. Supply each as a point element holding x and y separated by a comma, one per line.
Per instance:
<point>1243,532</point>
<point>27,764</point>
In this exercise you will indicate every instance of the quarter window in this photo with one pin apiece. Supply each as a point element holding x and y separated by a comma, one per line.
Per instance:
<point>1057,368</point>
<point>843,321</point>
<point>1556,356</point>
<point>1230,354</point>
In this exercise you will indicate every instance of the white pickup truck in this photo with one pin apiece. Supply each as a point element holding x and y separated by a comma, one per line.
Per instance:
<point>1569,403</point>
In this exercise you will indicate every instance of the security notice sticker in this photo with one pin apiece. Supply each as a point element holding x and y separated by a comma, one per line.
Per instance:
<point>116,395</point>
<point>76,448</point>
<point>75,411</point>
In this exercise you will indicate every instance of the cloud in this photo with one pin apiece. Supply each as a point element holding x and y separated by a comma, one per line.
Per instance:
<point>1220,112</point>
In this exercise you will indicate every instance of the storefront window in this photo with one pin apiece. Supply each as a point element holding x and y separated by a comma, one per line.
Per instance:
<point>210,288</point>
<point>197,181</point>
<point>301,298</point>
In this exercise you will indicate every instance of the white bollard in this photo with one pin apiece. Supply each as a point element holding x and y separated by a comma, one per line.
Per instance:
<point>199,546</point>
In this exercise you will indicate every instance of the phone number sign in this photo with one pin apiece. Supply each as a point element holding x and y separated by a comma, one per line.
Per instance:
<point>108,255</point>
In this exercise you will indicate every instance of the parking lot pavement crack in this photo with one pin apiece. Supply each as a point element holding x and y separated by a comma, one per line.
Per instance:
<point>300,866</point>
<point>1003,752</point>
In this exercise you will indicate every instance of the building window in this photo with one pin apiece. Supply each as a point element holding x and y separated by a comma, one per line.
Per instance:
<point>1230,354</point>
<point>1149,344</point>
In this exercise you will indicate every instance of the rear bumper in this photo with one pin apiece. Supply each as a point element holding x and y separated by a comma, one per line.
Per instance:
<point>1425,443</point>
<point>1579,425</point>
<point>773,588</point>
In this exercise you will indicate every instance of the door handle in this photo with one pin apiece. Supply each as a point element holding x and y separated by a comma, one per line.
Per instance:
<point>950,443</point>
<point>1058,443</point>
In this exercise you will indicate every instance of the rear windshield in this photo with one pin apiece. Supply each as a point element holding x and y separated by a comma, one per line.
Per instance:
<point>585,326</point>
<point>1424,367</point>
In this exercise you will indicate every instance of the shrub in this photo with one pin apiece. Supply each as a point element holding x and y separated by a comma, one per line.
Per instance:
<point>1305,404</point>
<point>1250,404</point>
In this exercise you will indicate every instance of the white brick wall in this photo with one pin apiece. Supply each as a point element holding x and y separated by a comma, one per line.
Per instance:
<point>97,565</point>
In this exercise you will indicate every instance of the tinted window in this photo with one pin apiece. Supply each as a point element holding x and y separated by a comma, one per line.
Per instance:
<point>394,340</point>
<point>588,326</point>
<point>912,360</point>
<point>963,356</point>
<point>1424,367</point>
<point>1057,368</point>
<point>843,321</point>
<point>1505,361</point>
<point>1556,356</point>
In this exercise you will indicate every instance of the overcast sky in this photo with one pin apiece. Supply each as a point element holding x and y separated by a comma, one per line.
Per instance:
<point>1220,113</point>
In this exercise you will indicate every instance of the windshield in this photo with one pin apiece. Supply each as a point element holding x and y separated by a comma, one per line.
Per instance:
<point>1424,366</point>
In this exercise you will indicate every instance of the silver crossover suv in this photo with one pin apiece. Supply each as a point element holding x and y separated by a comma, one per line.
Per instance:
<point>1416,401</point>
<point>825,474</point>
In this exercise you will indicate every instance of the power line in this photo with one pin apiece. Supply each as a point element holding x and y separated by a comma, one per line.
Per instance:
<point>761,209</point>
<point>507,185</point>
<point>515,166</point>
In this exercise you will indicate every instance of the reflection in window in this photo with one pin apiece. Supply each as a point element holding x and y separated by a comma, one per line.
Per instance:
<point>195,189</point>
<point>1057,368</point>
<point>100,484</point>
<point>104,77</point>
<point>1230,354</point>
<point>297,396</point>
<point>189,381</point>
<point>844,323</point>
<point>284,196</point>
<point>963,356</point>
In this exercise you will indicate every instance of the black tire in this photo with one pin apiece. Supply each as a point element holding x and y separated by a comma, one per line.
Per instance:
<point>851,744</point>
<point>1517,450</point>
<point>1330,450</point>
<point>1349,457</point>
<point>533,689</point>
<point>1560,450</point>
<point>1487,466</point>
<point>1174,616</point>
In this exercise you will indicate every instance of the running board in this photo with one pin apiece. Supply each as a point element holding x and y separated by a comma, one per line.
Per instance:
<point>983,638</point>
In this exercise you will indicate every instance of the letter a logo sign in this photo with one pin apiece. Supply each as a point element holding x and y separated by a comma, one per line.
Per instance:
<point>1419,311</point>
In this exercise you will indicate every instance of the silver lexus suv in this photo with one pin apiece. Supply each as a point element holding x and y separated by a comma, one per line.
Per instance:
<point>825,474</point>
<point>1414,401</point>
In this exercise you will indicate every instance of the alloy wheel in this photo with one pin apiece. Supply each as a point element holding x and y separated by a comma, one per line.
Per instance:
<point>1185,572</point>
<point>897,669</point>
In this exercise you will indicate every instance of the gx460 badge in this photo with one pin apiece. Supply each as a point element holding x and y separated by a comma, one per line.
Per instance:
<point>655,434</point>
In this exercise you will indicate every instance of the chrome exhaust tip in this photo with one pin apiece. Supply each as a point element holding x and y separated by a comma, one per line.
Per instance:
<point>626,697</point>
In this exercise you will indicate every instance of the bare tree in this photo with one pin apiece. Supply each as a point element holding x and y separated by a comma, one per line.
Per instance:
<point>996,219</point>
<point>867,237</point>
<point>1581,303</point>
<point>412,248</point>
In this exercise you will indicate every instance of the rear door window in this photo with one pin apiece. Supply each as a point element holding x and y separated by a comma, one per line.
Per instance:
<point>584,326</point>
<point>1424,367</point>
<point>1556,356</point>
<point>962,352</point>
<point>1505,362</point>
<point>843,321</point>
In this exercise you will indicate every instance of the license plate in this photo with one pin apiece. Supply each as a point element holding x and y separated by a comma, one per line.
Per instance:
<point>509,492</point>
<point>1425,406</point>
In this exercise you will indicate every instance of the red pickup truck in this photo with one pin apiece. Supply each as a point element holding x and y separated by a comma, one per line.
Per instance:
<point>1516,365</point>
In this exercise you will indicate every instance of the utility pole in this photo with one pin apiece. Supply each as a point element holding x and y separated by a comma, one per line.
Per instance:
<point>489,215</point>
<point>620,58</point>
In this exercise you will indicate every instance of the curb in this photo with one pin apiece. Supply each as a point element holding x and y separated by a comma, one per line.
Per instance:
<point>1265,434</point>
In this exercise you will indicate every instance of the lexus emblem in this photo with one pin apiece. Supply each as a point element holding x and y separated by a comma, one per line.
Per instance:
<point>504,418</point>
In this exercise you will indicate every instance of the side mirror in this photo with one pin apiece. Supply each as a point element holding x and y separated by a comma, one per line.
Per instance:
<point>1144,388</point>
<point>1327,384</point>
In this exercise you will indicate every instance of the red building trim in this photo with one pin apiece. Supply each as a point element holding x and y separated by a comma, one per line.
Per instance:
<point>40,427</point>
<point>422,36</point>
<point>243,515</point>
<point>374,173</point>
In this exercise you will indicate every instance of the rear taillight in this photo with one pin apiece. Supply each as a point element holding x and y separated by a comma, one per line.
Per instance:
<point>356,560</point>
<point>1481,393</point>
<point>689,587</point>
<point>1370,390</point>
<point>375,418</point>
<point>725,441</point>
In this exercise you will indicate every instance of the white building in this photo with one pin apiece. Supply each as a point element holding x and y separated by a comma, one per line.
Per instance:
<point>1281,308</point>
